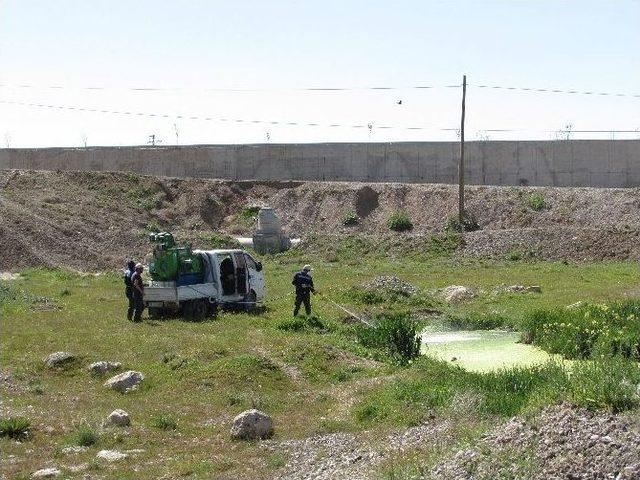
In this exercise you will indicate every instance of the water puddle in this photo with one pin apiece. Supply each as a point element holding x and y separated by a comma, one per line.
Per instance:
<point>481,350</point>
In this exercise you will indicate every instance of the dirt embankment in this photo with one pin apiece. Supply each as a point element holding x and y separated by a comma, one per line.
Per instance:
<point>91,220</point>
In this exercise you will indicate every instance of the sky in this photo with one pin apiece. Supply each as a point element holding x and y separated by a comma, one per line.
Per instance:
<point>115,72</point>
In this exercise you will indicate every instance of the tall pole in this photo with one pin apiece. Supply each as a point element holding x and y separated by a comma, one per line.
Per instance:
<point>461,163</point>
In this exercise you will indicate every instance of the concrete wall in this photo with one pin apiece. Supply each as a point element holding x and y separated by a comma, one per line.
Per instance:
<point>598,163</point>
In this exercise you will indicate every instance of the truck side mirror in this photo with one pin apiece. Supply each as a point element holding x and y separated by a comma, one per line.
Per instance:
<point>259,267</point>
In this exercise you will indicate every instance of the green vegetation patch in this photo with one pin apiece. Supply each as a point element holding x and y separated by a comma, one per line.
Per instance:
<point>588,330</point>
<point>220,241</point>
<point>399,222</point>
<point>85,436</point>
<point>537,202</point>
<point>16,428</point>
<point>350,219</point>
<point>164,422</point>
<point>396,335</point>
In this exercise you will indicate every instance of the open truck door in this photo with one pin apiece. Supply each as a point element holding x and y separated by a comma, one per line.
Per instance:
<point>255,277</point>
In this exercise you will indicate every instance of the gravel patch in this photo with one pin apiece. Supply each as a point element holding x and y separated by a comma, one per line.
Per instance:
<point>345,455</point>
<point>563,442</point>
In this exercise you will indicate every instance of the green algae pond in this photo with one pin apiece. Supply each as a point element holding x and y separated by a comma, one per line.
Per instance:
<point>481,350</point>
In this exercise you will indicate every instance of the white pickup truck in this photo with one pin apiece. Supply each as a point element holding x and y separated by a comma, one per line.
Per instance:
<point>232,277</point>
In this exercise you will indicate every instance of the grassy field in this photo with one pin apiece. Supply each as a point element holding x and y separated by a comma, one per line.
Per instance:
<point>312,377</point>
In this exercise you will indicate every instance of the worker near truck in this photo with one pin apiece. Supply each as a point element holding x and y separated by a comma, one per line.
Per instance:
<point>138,293</point>
<point>128,287</point>
<point>304,288</point>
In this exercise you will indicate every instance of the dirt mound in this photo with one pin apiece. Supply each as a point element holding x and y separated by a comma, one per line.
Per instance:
<point>562,442</point>
<point>96,220</point>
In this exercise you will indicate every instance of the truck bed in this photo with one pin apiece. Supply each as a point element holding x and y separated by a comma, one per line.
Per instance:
<point>170,292</point>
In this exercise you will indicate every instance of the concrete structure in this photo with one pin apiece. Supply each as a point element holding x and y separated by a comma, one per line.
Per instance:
<point>269,237</point>
<point>598,163</point>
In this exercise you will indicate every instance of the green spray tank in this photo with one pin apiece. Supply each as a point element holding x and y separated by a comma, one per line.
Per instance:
<point>174,263</point>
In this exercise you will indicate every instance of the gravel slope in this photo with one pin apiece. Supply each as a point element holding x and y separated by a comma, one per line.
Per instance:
<point>94,220</point>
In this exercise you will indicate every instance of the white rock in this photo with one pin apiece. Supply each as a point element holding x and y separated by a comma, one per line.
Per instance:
<point>58,359</point>
<point>74,450</point>
<point>252,424</point>
<point>119,418</point>
<point>46,473</point>
<point>533,289</point>
<point>111,455</point>
<point>125,382</point>
<point>102,367</point>
<point>515,288</point>
<point>455,293</point>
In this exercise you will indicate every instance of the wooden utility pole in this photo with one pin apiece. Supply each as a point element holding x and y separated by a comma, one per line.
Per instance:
<point>461,163</point>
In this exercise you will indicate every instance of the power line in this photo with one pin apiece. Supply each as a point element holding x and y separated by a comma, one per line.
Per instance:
<point>216,119</point>
<point>556,90</point>
<point>325,89</point>
<point>371,126</point>
<point>229,90</point>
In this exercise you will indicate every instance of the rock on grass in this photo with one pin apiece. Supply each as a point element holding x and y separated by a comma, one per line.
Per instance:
<point>59,359</point>
<point>102,367</point>
<point>119,418</point>
<point>46,473</point>
<point>456,293</point>
<point>125,382</point>
<point>111,455</point>
<point>252,425</point>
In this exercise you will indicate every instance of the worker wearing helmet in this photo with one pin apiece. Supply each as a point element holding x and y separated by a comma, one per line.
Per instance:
<point>128,287</point>
<point>138,293</point>
<point>304,288</point>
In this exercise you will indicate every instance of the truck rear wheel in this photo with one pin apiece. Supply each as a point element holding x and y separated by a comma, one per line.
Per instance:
<point>200,309</point>
<point>195,310</point>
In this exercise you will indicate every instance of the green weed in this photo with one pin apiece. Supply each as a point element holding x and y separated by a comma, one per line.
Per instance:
<point>468,223</point>
<point>399,222</point>
<point>537,202</point>
<point>16,428</point>
<point>349,219</point>
<point>85,436</point>
<point>164,422</point>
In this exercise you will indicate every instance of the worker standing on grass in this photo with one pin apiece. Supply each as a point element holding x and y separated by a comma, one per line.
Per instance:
<point>138,292</point>
<point>304,288</point>
<point>128,287</point>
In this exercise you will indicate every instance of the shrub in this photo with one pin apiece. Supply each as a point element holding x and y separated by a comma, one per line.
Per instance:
<point>399,222</point>
<point>16,428</point>
<point>85,436</point>
<point>349,219</point>
<point>164,422</point>
<point>396,334</point>
<point>536,202</point>
<point>468,224</point>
